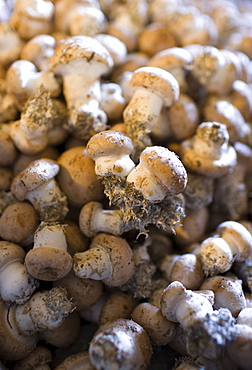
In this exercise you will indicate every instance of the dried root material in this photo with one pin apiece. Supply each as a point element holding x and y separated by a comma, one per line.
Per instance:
<point>138,211</point>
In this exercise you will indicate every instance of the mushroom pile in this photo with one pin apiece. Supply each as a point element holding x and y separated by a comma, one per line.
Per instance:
<point>125,184</point>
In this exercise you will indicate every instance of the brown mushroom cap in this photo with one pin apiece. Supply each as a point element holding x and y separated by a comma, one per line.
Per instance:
<point>171,58</point>
<point>13,346</point>
<point>109,143</point>
<point>18,223</point>
<point>34,175</point>
<point>158,81</point>
<point>83,292</point>
<point>171,296</point>
<point>166,167</point>
<point>48,263</point>
<point>77,177</point>
<point>76,361</point>
<point>10,252</point>
<point>38,357</point>
<point>121,258</point>
<point>81,50</point>
<point>109,341</point>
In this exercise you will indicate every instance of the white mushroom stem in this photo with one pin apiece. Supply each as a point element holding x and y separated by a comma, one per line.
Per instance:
<point>43,311</point>
<point>93,263</point>
<point>45,196</point>
<point>121,163</point>
<point>79,88</point>
<point>144,106</point>
<point>16,284</point>
<point>50,234</point>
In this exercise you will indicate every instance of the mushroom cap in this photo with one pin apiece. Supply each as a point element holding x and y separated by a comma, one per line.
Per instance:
<point>38,357</point>
<point>86,218</point>
<point>235,231</point>
<point>116,47</point>
<point>18,223</point>
<point>13,346</point>
<point>83,292</point>
<point>166,167</point>
<point>171,296</point>
<point>158,81</point>
<point>171,58</point>
<point>113,339</point>
<point>40,46</point>
<point>78,360</point>
<point>77,177</point>
<point>34,175</point>
<point>10,252</point>
<point>84,49</point>
<point>206,165</point>
<point>48,263</point>
<point>109,143</point>
<point>121,258</point>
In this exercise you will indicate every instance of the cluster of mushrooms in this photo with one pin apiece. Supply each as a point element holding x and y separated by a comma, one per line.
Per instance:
<point>125,184</point>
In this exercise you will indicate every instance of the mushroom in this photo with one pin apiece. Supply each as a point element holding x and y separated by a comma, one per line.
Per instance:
<point>49,259</point>
<point>207,330</point>
<point>82,292</point>
<point>160,330</point>
<point>239,349</point>
<point>21,324</point>
<point>93,218</point>
<point>118,305</point>
<point>8,150</point>
<point>158,174</point>
<point>77,177</point>
<point>228,293</point>
<point>176,60</point>
<point>120,344</point>
<point>231,242</point>
<point>81,61</point>
<point>111,152</point>
<point>153,88</point>
<point>32,17</point>
<point>39,50</point>
<point>112,100</point>
<point>16,284</point>
<point>37,358</point>
<point>11,44</point>
<point>109,259</point>
<point>208,152</point>
<point>76,361</point>
<point>18,223</point>
<point>38,122</point>
<point>23,79</point>
<point>37,184</point>
<point>185,268</point>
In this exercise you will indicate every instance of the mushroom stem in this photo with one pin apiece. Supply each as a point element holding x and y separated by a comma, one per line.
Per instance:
<point>143,109</point>
<point>47,199</point>
<point>93,263</point>
<point>79,89</point>
<point>16,284</point>
<point>45,310</point>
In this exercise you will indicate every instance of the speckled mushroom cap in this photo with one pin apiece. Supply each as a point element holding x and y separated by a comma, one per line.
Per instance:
<point>34,175</point>
<point>121,344</point>
<point>77,177</point>
<point>80,50</point>
<point>76,361</point>
<point>121,257</point>
<point>13,346</point>
<point>235,232</point>
<point>157,81</point>
<point>10,252</point>
<point>171,58</point>
<point>35,9</point>
<point>201,159</point>
<point>48,263</point>
<point>166,167</point>
<point>38,357</point>
<point>107,143</point>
